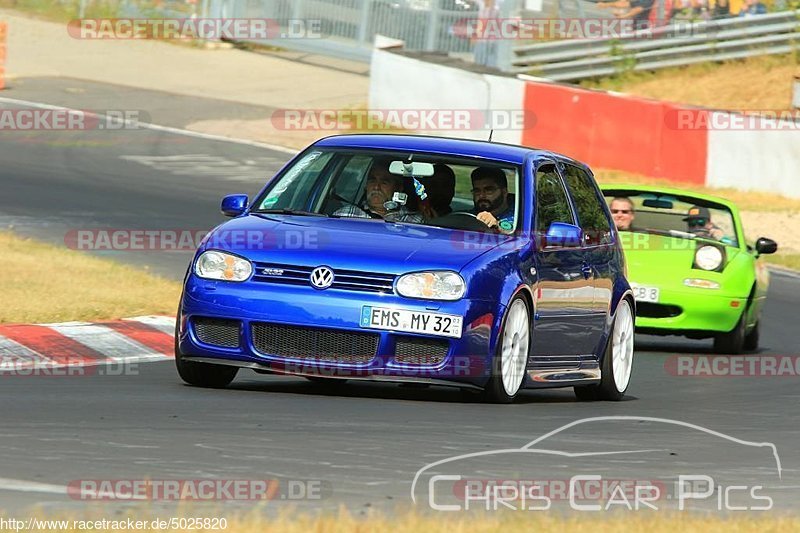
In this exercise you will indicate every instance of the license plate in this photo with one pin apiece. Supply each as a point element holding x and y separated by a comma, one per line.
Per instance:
<point>645,294</point>
<point>412,321</point>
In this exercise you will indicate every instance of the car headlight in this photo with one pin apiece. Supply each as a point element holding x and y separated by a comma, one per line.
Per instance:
<point>222,266</point>
<point>708,257</point>
<point>432,285</point>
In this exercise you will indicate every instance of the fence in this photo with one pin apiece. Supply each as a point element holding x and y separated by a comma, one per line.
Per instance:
<point>349,26</point>
<point>669,46</point>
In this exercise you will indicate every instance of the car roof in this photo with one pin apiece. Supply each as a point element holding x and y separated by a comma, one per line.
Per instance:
<point>672,191</point>
<point>508,153</point>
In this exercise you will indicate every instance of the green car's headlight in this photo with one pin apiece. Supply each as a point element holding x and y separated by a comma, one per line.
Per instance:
<point>708,257</point>
<point>222,266</point>
<point>437,285</point>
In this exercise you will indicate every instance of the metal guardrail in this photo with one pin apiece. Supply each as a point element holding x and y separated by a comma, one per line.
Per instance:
<point>663,47</point>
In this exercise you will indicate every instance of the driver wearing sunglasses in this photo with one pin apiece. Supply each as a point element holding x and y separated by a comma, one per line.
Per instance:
<point>623,213</point>
<point>698,221</point>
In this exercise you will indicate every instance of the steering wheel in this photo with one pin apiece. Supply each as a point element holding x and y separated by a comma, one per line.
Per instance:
<point>472,225</point>
<point>465,213</point>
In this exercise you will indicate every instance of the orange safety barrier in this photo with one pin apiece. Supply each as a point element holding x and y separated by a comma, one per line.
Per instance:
<point>615,131</point>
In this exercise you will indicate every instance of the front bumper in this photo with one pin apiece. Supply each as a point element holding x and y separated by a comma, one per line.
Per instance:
<point>334,314</point>
<point>693,310</point>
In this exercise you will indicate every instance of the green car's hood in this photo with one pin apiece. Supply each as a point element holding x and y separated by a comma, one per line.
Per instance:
<point>664,261</point>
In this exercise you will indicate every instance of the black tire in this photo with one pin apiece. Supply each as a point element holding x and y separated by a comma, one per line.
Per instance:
<point>495,391</point>
<point>733,341</point>
<point>607,388</point>
<point>205,375</point>
<point>752,338</point>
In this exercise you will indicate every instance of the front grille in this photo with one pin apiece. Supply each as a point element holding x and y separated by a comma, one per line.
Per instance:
<point>652,310</point>
<point>353,280</point>
<point>417,351</point>
<point>313,343</point>
<point>217,331</point>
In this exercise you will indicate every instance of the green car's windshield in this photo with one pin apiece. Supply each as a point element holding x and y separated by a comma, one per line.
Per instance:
<point>682,217</point>
<point>414,188</point>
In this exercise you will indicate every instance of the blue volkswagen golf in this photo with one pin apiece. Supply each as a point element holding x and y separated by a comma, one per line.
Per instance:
<point>484,266</point>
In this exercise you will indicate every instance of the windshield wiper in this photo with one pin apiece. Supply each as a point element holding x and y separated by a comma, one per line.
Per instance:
<point>287,211</point>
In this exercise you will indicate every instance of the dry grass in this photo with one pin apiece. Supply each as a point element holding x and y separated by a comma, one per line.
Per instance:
<point>256,522</point>
<point>468,523</point>
<point>791,261</point>
<point>754,83</point>
<point>49,284</point>
<point>746,201</point>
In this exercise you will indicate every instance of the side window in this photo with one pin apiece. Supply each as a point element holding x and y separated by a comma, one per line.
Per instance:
<point>591,215</point>
<point>551,199</point>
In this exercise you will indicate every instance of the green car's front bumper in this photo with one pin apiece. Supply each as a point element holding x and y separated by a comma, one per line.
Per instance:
<point>691,310</point>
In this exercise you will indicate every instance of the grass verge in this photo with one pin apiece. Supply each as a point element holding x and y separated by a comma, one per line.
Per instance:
<point>785,260</point>
<point>50,284</point>
<point>761,83</point>
<point>344,522</point>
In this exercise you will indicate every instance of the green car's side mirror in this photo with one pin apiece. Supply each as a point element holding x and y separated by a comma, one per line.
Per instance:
<point>766,246</point>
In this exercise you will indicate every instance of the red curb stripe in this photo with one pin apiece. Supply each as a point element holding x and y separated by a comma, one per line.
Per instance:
<point>51,344</point>
<point>145,334</point>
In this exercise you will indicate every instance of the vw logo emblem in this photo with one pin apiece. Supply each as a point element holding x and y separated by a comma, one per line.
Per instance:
<point>321,277</point>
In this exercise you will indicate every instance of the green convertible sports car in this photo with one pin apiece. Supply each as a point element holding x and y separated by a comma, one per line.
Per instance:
<point>691,269</point>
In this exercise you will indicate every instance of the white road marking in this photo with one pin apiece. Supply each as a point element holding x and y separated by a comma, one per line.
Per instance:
<point>155,127</point>
<point>112,344</point>
<point>11,352</point>
<point>161,323</point>
<point>259,169</point>
<point>21,485</point>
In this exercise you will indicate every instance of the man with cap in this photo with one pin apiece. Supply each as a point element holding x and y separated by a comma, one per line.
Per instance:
<point>490,194</point>
<point>698,221</point>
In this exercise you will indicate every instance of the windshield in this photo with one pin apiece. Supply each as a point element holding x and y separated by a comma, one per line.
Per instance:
<point>413,188</point>
<point>683,217</point>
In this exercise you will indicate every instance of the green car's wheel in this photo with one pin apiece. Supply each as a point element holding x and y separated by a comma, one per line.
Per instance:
<point>733,341</point>
<point>751,339</point>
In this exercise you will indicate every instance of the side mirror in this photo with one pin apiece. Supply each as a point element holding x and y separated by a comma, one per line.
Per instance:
<point>233,205</point>
<point>766,246</point>
<point>562,235</point>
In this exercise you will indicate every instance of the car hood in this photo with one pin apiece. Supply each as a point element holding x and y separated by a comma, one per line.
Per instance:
<point>351,244</point>
<point>659,259</point>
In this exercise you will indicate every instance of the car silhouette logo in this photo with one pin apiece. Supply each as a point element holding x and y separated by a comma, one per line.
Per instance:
<point>322,277</point>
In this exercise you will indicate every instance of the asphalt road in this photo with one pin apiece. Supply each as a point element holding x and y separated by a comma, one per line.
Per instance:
<point>57,182</point>
<point>361,443</point>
